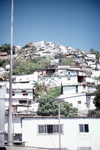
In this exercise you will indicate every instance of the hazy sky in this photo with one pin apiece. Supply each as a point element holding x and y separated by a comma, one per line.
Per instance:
<point>74,23</point>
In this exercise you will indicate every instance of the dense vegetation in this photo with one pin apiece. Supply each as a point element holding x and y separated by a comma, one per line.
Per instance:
<point>6,48</point>
<point>49,105</point>
<point>24,63</point>
<point>97,96</point>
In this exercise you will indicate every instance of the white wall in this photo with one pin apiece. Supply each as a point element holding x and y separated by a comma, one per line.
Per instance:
<point>81,101</point>
<point>82,89</point>
<point>71,138</point>
<point>69,80</point>
<point>16,125</point>
<point>23,78</point>
<point>68,90</point>
<point>89,101</point>
<point>77,100</point>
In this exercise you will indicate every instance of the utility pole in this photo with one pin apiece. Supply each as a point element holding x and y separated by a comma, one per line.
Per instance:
<point>59,125</point>
<point>10,133</point>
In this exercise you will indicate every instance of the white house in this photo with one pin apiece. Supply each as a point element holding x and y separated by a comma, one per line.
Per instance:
<point>75,133</point>
<point>22,96</point>
<point>98,65</point>
<point>78,97</point>
<point>25,78</point>
<point>90,56</point>
<point>95,74</point>
<point>16,128</point>
<point>22,92</point>
<point>2,70</point>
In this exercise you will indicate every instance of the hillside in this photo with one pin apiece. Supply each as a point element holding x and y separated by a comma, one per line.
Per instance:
<point>43,55</point>
<point>46,49</point>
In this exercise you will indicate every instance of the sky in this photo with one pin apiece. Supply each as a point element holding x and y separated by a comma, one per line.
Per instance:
<point>74,23</point>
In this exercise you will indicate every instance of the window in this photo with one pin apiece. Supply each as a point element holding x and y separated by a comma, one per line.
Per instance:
<point>49,129</point>
<point>84,128</point>
<point>22,101</point>
<point>77,89</point>
<point>23,91</point>
<point>68,78</point>
<point>25,94</point>
<point>13,93</point>
<point>79,102</point>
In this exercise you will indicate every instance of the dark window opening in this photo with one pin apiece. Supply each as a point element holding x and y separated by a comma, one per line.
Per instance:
<point>80,78</point>
<point>13,93</point>
<point>23,91</point>
<point>22,101</point>
<point>79,102</point>
<point>25,94</point>
<point>77,89</point>
<point>49,129</point>
<point>84,128</point>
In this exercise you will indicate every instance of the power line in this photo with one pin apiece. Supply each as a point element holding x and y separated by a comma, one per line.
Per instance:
<point>59,99</point>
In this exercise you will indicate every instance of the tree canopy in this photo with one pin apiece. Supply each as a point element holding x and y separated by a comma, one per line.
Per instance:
<point>96,100</point>
<point>97,53</point>
<point>6,48</point>
<point>26,66</point>
<point>48,105</point>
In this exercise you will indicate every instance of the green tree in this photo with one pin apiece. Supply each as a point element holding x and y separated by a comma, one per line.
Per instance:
<point>24,68</point>
<point>6,48</point>
<point>67,61</point>
<point>48,105</point>
<point>96,100</point>
<point>3,63</point>
<point>6,76</point>
<point>61,58</point>
<point>43,62</point>
<point>51,108</point>
<point>26,46</point>
<point>97,53</point>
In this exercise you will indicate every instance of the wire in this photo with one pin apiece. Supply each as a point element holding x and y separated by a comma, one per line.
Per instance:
<point>59,99</point>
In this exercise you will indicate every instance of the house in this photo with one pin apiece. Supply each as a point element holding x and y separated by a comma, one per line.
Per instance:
<point>4,55</point>
<point>98,65</point>
<point>22,93</point>
<point>25,78</point>
<point>77,95</point>
<point>95,74</point>
<point>2,70</point>
<point>82,101</point>
<point>90,56</point>
<point>73,75</point>
<point>16,127</point>
<point>71,133</point>
<point>22,96</point>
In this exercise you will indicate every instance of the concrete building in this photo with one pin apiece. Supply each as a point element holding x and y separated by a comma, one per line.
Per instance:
<point>78,97</point>
<point>76,133</point>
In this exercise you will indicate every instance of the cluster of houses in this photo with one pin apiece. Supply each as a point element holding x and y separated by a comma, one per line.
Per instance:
<point>80,133</point>
<point>76,89</point>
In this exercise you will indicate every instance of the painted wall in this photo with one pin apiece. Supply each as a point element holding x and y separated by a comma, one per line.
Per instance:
<point>71,138</point>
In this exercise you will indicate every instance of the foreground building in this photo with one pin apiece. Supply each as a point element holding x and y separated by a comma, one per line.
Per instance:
<point>76,133</point>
